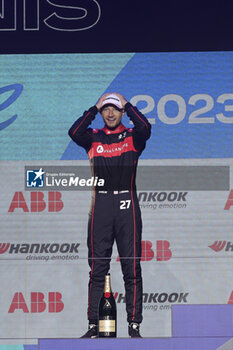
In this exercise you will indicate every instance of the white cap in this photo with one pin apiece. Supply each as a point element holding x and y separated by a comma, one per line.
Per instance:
<point>112,100</point>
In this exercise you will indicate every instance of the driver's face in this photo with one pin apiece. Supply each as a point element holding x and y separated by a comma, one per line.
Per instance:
<point>111,116</point>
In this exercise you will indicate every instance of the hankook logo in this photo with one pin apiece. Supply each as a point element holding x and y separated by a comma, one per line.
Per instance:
<point>41,251</point>
<point>217,246</point>
<point>157,301</point>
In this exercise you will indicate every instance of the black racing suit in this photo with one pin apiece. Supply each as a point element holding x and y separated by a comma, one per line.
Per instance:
<point>115,212</point>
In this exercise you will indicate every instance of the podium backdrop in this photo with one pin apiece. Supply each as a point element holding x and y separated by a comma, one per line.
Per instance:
<point>187,218</point>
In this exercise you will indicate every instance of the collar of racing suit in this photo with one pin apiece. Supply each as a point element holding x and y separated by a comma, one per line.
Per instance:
<point>119,129</point>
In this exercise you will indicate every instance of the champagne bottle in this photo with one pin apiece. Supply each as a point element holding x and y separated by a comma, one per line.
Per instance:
<point>107,312</point>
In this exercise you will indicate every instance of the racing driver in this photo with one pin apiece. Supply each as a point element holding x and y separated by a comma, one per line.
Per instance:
<point>115,213</point>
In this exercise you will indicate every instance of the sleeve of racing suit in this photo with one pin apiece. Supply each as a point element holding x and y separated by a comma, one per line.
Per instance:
<point>79,131</point>
<point>142,128</point>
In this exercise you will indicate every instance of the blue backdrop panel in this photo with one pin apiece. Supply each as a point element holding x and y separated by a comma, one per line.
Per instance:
<point>188,92</point>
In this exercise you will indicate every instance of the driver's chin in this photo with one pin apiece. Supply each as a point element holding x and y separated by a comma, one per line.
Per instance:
<point>112,127</point>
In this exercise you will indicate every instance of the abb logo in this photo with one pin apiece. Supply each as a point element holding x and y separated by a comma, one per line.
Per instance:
<point>229,201</point>
<point>163,251</point>
<point>37,202</point>
<point>217,246</point>
<point>37,303</point>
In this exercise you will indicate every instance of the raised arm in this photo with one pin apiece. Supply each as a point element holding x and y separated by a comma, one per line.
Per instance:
<point>142,128</point>
<point>79,131</point>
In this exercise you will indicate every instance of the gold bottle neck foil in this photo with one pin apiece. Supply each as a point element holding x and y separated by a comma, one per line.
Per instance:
<point>107,286</point>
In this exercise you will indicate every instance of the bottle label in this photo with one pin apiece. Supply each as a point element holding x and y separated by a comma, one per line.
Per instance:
<point>107,326</point>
